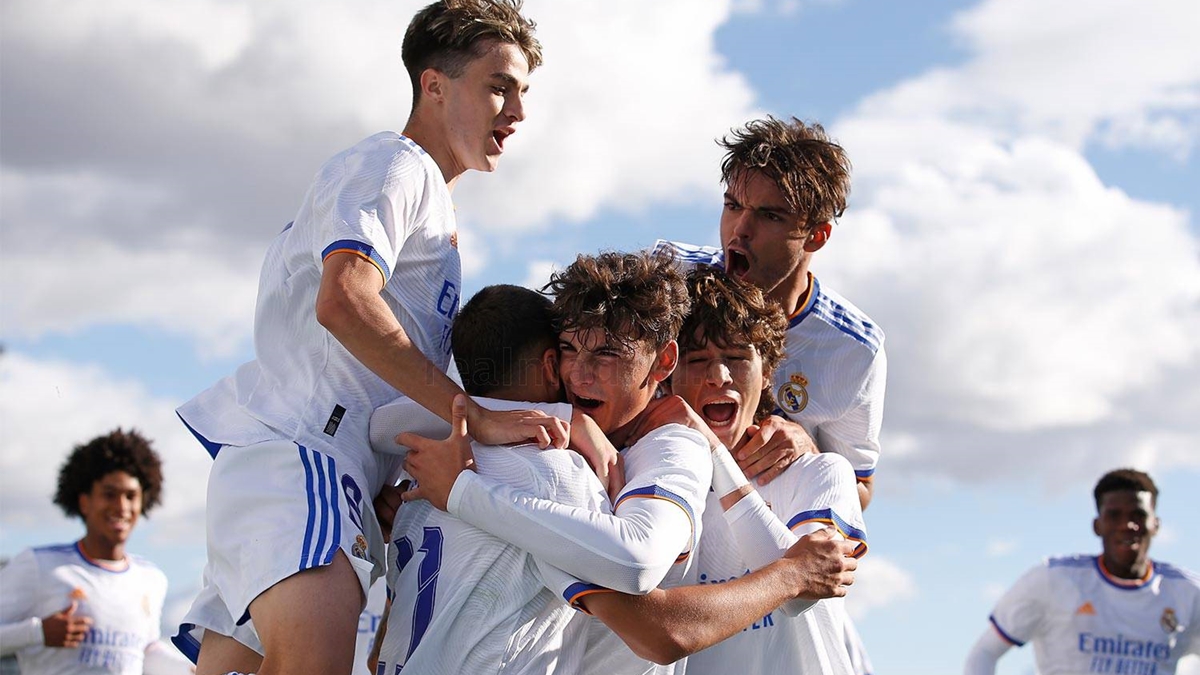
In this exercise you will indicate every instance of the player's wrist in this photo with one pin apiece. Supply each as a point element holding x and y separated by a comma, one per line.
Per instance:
<point>727,476</point>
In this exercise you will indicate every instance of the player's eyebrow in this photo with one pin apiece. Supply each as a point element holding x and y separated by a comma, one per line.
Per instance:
<point>510,81</point>
<point>778,210</point>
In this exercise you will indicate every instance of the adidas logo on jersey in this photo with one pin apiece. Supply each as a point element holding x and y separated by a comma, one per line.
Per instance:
<point>1086,608</point>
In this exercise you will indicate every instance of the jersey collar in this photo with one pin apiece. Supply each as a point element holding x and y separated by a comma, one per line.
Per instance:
<point>121,565</point>
<point>806,303</point>
<point>1126,584</point>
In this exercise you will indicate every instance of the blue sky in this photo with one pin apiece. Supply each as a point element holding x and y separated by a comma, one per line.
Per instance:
<point>1023,226</point>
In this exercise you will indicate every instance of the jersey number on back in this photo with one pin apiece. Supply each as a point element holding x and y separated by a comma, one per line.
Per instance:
<point>427,574</point>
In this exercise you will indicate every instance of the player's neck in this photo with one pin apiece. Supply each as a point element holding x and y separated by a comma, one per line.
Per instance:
<point>793,293</point>
<point>100,549</point>
<point>1135,571</point>
<point>429,135</point>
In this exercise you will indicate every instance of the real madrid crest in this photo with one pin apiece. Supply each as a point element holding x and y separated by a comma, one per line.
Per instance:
<point>1168,621</point>
<point>793,395</point>
<point>359,549</point>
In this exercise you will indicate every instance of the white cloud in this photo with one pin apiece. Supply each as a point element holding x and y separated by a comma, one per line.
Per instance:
<point>1036,317</point>
<point>878,583</point>
<point>49,407</point>
<point>1000,547</point>
<point>538,273</point>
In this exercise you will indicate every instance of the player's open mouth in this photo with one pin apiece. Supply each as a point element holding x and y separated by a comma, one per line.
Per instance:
<point>586,403</point>
<point>719,414</point>
<point>736,264</point>
<point>499,135</point>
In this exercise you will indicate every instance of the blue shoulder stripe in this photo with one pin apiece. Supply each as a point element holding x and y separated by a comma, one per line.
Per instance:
<point>849,322</point>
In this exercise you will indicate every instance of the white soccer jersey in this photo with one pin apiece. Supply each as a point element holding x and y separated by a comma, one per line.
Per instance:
<point>1081,619</point>
<point>818,490</point>
<point>647,542</point>
<point>385,200</point>
<point>125,607</point>
<point>464,601</point>
<point>834,370</point>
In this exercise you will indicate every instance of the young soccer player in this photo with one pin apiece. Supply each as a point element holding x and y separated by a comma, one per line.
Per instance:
<point>785,184</point>
<point>460,597</point>
<point>355,305</point>
<point>617,313</point>
<point>1118,612</point>
<point>91,607</point>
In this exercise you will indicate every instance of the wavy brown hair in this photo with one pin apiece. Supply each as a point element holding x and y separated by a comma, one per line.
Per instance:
<point>449,34</point>
<point>630,296</point>
<point>732,313</point>
<point>117,450</point>
<point>811,171</point>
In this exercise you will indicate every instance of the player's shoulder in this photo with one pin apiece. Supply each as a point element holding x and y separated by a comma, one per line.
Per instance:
<point>386,155</point>
<point>676,437</point>
<point>821,468</point>
<point>690,256</point>
<point>51,553</point>
<point>1069,562</point>
<point>830,309</point>
<point>1178,574</point>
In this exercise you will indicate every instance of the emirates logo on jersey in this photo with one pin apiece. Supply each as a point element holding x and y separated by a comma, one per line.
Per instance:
<point>793,396</point>
<point>1168,620</point>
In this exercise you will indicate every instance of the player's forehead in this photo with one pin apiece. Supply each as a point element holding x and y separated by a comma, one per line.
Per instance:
<point>1121,501</point>
<point>500,62</point>
<point>119,481</point>
<point>755,186</point>
<point>596,338</point>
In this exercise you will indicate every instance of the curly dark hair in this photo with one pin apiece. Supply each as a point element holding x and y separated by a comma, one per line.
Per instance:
<point>448,34</point>
<point>731,312</point>
<point>1120,480</point>
<point>630,296</point>
<point>118,450</point>
<point>811,171</point>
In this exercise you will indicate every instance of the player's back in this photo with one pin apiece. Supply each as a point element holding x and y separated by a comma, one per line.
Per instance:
<point>465,601</point>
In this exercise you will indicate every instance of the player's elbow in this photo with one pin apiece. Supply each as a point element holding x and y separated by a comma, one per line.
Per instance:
<point>334,310</point>
<point>664,648</point>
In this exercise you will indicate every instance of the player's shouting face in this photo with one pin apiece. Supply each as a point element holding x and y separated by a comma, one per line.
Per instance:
<point>722,384</point>
<point>610,381</point>
<point>484,105</point>
<point>764,240</point>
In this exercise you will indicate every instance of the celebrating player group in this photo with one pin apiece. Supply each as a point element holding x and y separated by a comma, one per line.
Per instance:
<point>658,463</point>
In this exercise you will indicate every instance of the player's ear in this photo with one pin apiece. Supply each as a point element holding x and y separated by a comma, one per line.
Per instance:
<point>433,85</point>
<point>665,362</point>
<point>550,367</point>
<point>817,236</point>
<point>1096,526</point>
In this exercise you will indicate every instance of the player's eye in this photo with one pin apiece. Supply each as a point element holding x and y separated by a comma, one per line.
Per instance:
<point>732,205</point>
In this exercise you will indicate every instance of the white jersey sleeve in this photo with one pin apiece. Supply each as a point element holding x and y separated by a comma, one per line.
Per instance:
<point>18,594</point>
<point>654,523</point>
<point>1019,613</point>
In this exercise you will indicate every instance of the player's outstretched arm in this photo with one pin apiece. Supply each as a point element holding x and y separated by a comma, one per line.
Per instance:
<point>669,624</point>
<point>349,306</point>
<point>987,651</point>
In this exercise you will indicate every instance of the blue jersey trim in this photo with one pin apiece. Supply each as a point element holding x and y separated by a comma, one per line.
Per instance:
<point>864,473</point>
<point>808,308</point>
<point>656,492</point>
<point>185,643</point>
<point>358,248</point>
<point>1132,584</point>
<point>575,593</point>
<point>78,548</point>
<point>312,509</point>
<point>212,448</point>
<point>830,516</point>
<point>1010,639</point>
<point>840,317</point>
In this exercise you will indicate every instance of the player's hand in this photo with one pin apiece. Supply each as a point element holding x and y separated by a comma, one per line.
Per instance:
<point>492,427</point>
<point>768,448</point>
<point>64,628</point>
<point>435,465</point>
<point>588,440</point>
<point>670,410</point>
<point>388,502</point>
<point>823,566</point>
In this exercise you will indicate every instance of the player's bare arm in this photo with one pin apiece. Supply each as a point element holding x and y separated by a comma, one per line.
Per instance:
<point>589,440</point>
<point>669,624</point>
<point>350,308</point>
<point>770,447</point>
